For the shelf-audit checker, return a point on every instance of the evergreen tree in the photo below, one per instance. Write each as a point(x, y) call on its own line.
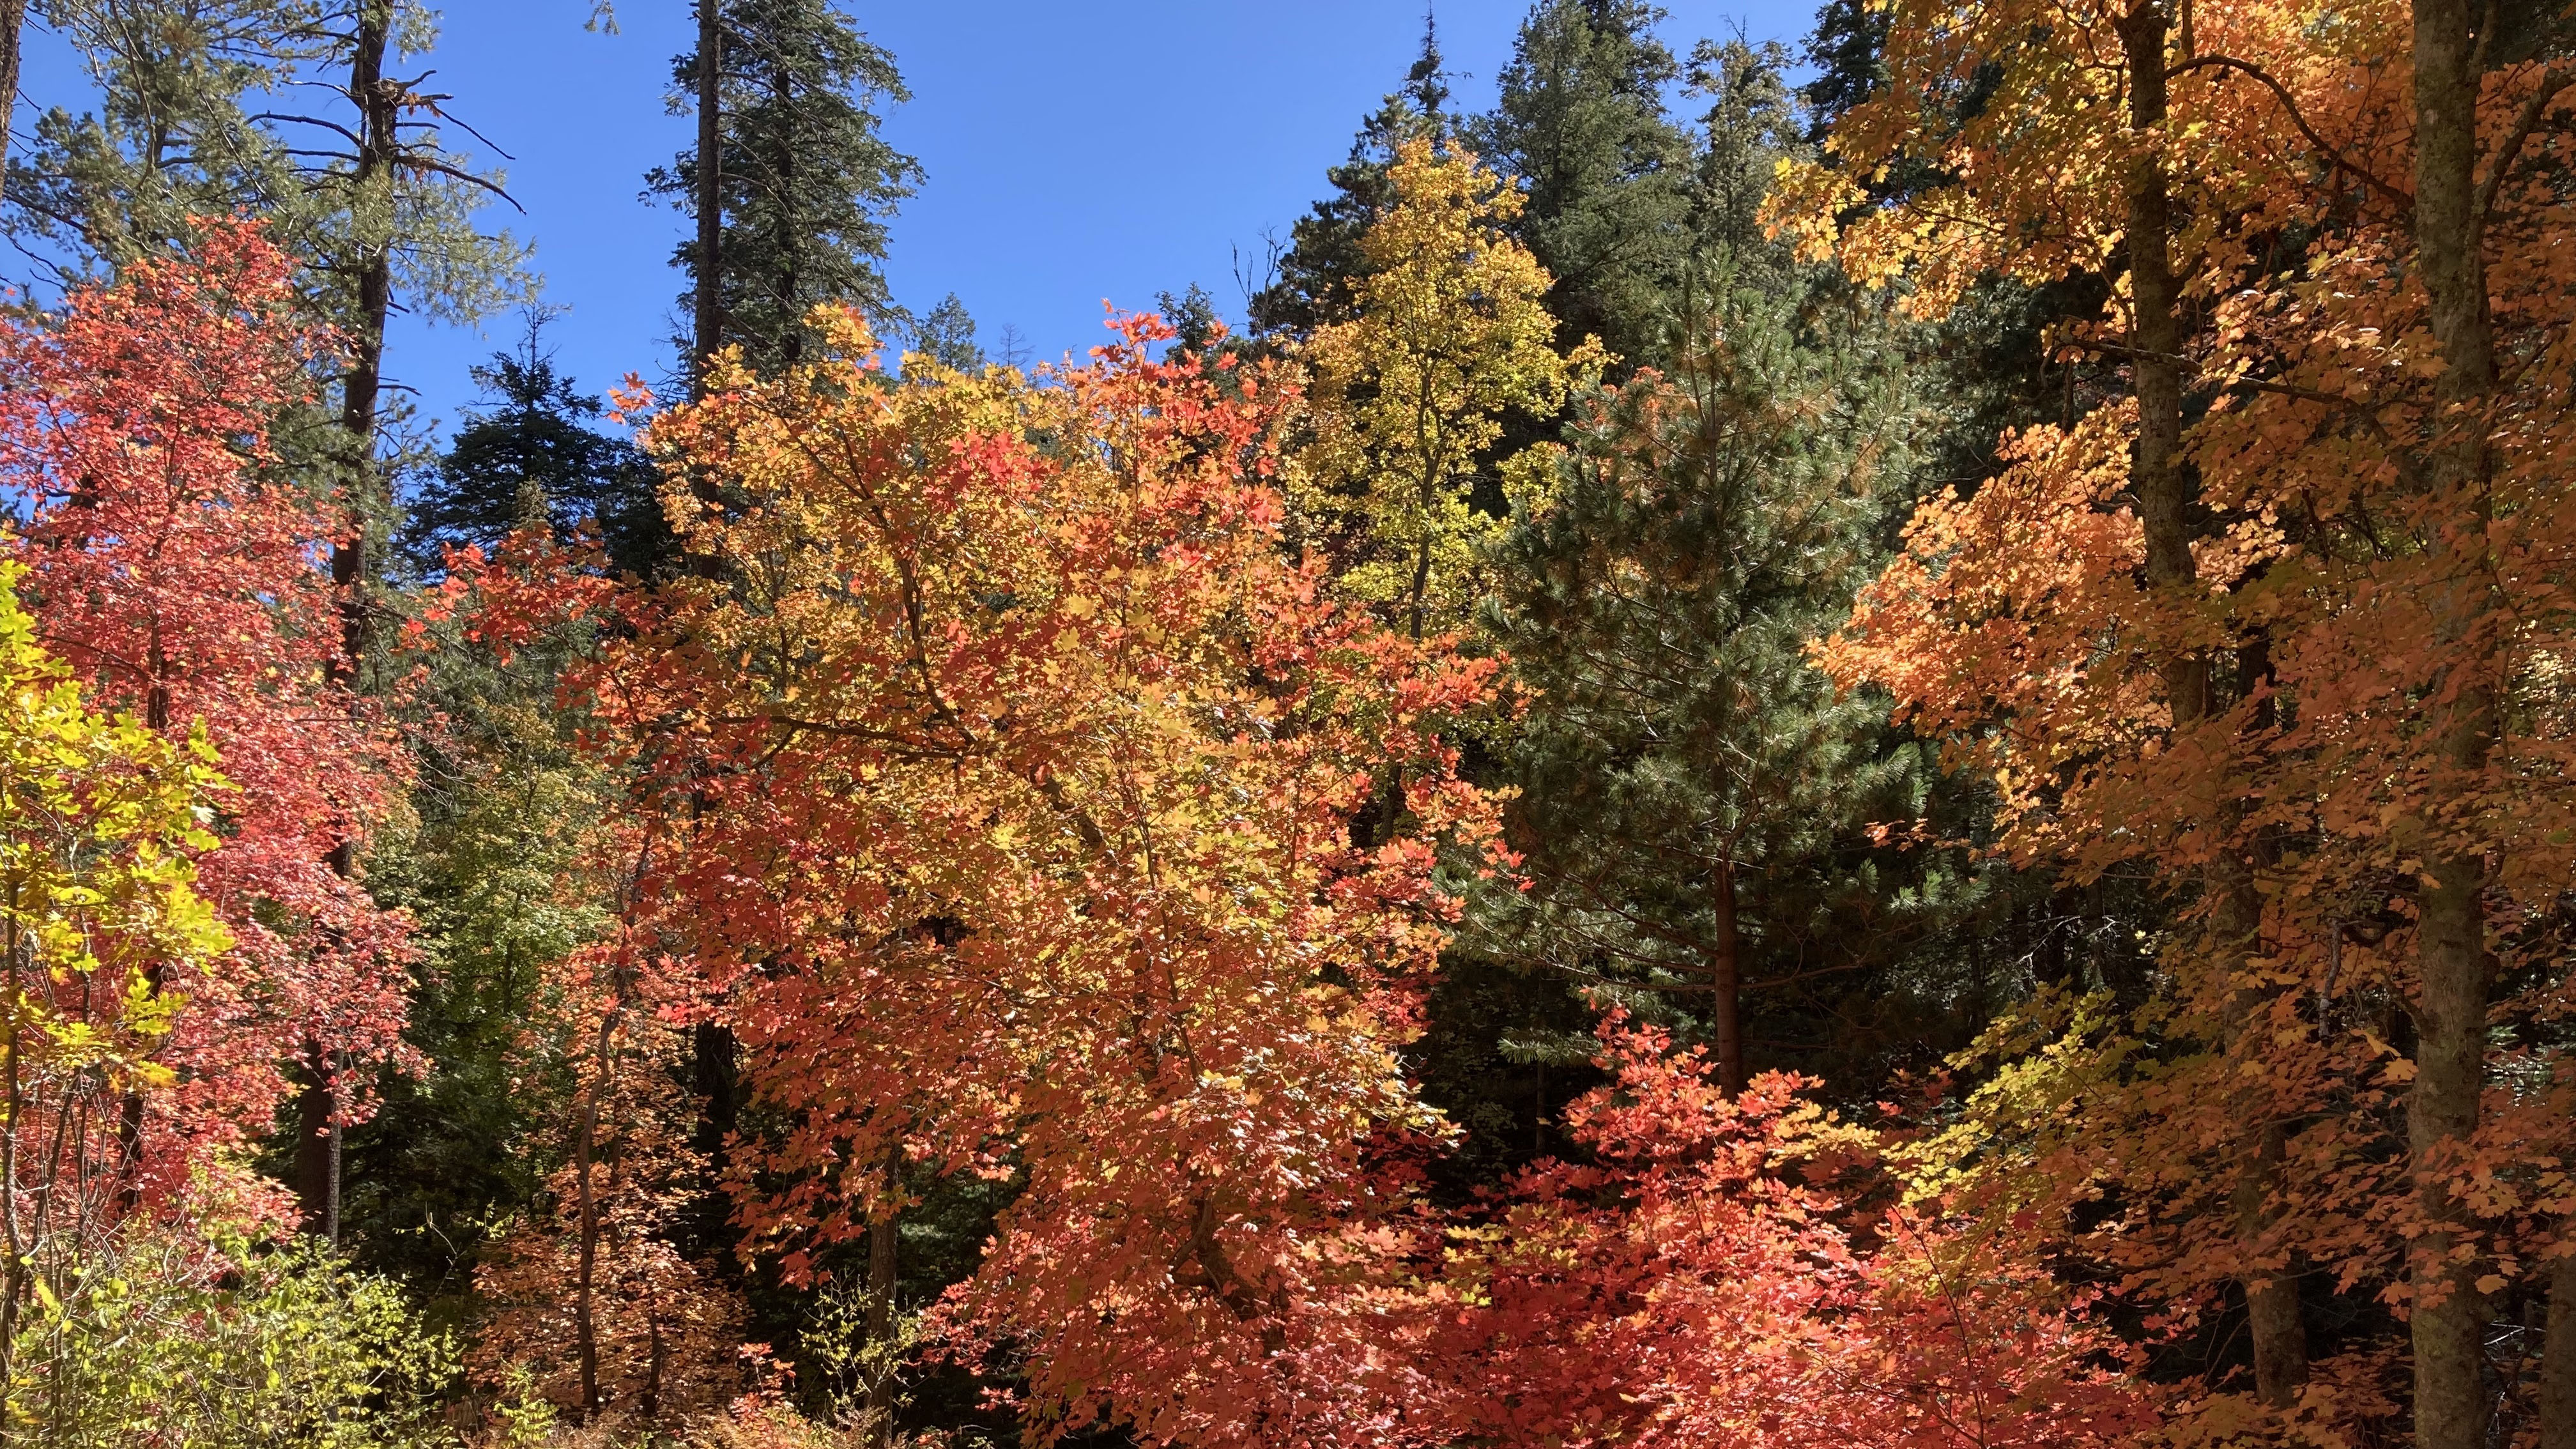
point(374, 199)
point(1749, 127)
point(1986, 367)
point(946, 335)
point(491, 865)
point(1694, 795)
point(13, 24)
point(1324, 260)
point(1192, 315)
point(1581, 121)
point(804, 182)
point(171, 136)
point(491, 869)
point(1845, 51)
point(530, 455)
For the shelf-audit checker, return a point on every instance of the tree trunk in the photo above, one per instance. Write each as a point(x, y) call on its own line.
point(585, 1326)
point(2450, 1314)
point(2455, 969)
point(1978, 992)
point(13, 1238)
point(317, 1147)
point(129, 1112)
point(2155, 340)
point(2057, 919)
point(2163, 494)
point(2273, 1318)
point(708, 336)
point(13, 21)
point(317, 1156)
point(2558, 1358)
point(362, 388)
point(716, 1079)
point(657, 1357)
point(882, 1277)
point(1726, 985)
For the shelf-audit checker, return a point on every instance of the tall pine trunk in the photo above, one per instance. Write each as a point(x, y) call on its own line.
point(318, 1107)
point(2455, 968)
point(712, 1043)
point(13, 21)
point(1726, 985)
point(708, 321)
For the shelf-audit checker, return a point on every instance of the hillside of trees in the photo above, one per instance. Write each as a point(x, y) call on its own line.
point(1857, 747)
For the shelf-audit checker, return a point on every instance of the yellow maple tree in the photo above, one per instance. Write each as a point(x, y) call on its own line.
point(98, 817)
point(1449, 335)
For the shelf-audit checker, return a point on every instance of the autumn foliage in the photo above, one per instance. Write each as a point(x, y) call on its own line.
point(1026, 811)
point(98, 819)
point(1748, 1268)
point(2286, 621)
point(174, 569)
point(1066, 789)
point(1449, 338)
point(1003, 799)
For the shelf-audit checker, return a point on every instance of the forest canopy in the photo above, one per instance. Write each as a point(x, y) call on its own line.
point(1863, 746)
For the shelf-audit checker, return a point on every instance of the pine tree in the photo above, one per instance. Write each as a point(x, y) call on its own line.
point(1695, 796)
point(1581, 121)
point(1324, 259)
point(946, 335)
point(1846, 52)
point(374, 200)
point(13, 23)
point(172, 134)
point(530, 455)
point(1749, 127)
point(804, 182)
point(1992, 365)
point(1193, 316)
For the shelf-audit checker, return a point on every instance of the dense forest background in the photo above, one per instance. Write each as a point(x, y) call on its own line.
point(1856, 746)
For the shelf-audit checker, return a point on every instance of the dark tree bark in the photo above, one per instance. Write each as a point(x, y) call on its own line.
point(715, 1069)
point(883, 1236)
point(1726, 985)
point(2558, 1359)
point(2162, 490)
point(708, 322)
point(2454, 966)
point(13, 20)
point(585, 1151)
point(129, 1110)
point(2155, 468)
point(377, 102)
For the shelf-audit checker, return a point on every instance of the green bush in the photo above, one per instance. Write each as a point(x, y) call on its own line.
point(169, 1342)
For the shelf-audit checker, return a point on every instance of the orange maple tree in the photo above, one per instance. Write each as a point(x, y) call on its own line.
point(1018, 800)
point(2284, 621)
point(999, 772)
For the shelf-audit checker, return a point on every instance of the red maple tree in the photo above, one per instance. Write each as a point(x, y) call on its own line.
point(176, 565)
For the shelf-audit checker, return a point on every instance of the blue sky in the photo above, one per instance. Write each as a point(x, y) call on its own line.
point(1075, 151)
